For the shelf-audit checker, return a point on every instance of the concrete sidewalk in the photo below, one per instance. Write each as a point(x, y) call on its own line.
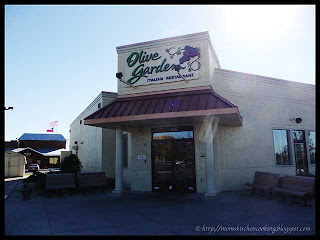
point(156, 214)
point(10, 183)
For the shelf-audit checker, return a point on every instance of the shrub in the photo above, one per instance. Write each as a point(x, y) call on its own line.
point(38, 178)
point(71, 164)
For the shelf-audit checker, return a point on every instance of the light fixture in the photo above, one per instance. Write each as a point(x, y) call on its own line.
point(119, 75)
point(8, 108)
point(140, 131)
point(297, 120)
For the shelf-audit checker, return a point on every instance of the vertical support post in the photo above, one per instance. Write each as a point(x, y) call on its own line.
point(119, 163)
point(211, 188)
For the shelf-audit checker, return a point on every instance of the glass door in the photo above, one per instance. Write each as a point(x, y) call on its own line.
point(173, 165)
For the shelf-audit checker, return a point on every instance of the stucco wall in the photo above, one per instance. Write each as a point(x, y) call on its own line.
point(265, 104)
point(141, 176)
point(96, 148)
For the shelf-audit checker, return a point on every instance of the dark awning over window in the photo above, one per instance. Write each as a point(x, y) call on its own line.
point(179, 104)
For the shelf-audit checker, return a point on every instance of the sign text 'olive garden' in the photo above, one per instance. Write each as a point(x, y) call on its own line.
point(162, 65)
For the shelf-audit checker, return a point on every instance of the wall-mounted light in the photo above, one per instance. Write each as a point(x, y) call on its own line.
point(297, 120)
point(119, 75)
point(140, 131)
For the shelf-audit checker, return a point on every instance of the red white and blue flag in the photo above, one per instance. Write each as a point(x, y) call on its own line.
point(50, 130)
point(53, 124)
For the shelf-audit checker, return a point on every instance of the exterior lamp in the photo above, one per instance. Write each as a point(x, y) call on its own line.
point(119, 75)
point(8, 108)
point(297, 120)
point(177, 69)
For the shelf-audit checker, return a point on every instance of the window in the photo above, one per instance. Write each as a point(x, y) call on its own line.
point(312, 147)
point(53, 160)
point(125, 150)
point(300, 154)
point(281, 147)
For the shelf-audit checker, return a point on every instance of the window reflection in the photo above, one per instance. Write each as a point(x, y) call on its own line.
point(297, 135)
point(312, 146)
point(173, 135)
point(281, 147)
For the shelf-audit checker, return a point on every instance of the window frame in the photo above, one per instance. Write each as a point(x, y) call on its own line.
point(289, 146)
point(307, 146)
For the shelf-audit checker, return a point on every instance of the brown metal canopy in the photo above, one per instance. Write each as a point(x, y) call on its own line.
point(171, 107)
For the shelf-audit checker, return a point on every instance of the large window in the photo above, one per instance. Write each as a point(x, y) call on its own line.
point(281, 147)
point(312, 147)
point(53, 160)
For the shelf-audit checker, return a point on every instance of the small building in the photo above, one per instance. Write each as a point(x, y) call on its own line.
point(54, 158)
point(14, 164)
point(180, 122)
point(35, 145)
point(42, 142)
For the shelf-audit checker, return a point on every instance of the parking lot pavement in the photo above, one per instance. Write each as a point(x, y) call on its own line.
point(230, 213)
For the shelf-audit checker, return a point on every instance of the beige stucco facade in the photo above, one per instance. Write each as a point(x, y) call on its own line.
point(95, 146)
point(264, 103)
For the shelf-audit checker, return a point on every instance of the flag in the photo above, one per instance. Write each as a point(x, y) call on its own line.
point(53, 124)
point(50, 130)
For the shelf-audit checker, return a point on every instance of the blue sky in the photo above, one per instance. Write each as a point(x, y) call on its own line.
point(58, 58)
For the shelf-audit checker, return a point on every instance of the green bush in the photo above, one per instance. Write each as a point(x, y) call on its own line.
point(38, 178)
point(71, 164)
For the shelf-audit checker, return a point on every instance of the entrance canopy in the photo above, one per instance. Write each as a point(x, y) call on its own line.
point(173, 107)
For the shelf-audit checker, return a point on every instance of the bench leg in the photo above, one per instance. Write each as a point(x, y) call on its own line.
point(253, 191)
point(71, 190)
point(293, 199)
point(282, 197)
point(261, 192)
point(305, 201)
point(270, 194)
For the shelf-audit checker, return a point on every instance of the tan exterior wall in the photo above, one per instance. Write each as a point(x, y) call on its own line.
point(265, 104)
point(96, 146)
point(141, 173)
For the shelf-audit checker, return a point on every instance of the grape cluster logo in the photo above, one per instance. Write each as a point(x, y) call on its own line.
point(188, 53)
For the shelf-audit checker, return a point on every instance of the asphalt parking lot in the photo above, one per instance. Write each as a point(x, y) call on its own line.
point(230, 213)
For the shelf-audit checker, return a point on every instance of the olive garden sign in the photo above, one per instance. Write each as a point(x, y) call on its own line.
point(162, 65)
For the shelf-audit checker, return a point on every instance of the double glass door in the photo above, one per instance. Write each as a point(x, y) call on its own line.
point(173, 165)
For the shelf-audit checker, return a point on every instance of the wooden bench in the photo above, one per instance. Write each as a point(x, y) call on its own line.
point(60, 182)
point(264, 181)
point(296, 186)
point(92, 180)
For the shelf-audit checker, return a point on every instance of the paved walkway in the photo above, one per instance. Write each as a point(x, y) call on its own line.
point(231, 213)
point(10, 183)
